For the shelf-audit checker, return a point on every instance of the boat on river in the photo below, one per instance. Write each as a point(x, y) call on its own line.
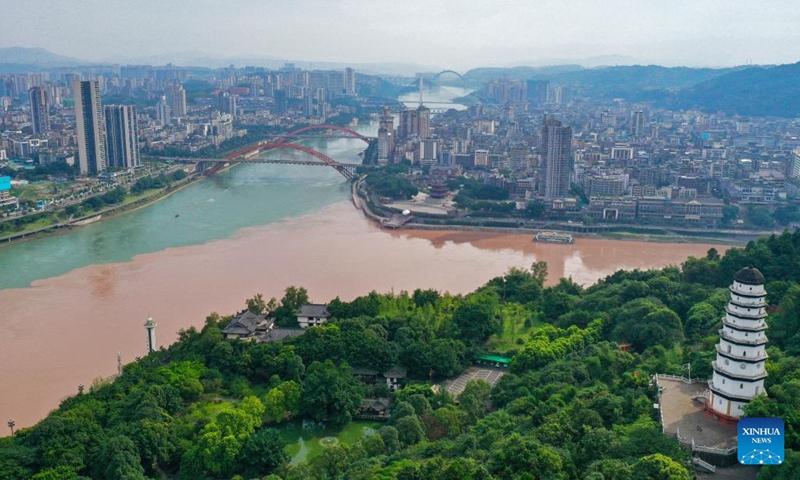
point(554, 237)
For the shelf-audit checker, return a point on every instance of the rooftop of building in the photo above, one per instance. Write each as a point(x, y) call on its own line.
point(313, 310)
point(749, 275)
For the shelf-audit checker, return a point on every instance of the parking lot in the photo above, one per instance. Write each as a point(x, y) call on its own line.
point(490, 375)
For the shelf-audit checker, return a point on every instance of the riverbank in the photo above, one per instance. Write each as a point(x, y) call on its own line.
point(103, 214)
point(639, 233)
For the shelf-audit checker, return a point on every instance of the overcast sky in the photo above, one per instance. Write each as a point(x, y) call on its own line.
point(458, 34)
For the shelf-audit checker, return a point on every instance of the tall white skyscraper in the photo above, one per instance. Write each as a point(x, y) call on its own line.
point(123, 136)
point(91, 127)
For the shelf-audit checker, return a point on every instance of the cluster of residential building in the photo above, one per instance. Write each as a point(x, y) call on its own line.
point(71, 114)
point(608, 161)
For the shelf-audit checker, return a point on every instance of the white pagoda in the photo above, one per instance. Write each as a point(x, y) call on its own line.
point(739, 368)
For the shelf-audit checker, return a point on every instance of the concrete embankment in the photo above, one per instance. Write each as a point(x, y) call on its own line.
point(660, 234)
point(104, 214)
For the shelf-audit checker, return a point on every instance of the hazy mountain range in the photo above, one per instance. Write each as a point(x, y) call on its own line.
point(21, 58)
point(745, 90)
point(761, 90)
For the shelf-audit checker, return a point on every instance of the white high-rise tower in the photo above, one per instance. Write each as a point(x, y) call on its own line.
point(150, 325)
point(739, 368)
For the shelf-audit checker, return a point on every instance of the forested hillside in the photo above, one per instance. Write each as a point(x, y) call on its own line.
point(745, 90)
point(573, 406)
point(758, 91)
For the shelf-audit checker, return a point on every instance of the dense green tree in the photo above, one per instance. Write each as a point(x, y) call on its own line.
point(331, 394)
point(391, 186)
point(263, 452)
point(535, 210)
point(659, 467)
point(374, 445)
point(409, 430)
point(517, 455)
point(286, 313)
point(420, 403)
point(475, 399)
point(275, 405)
point(610, 469)
point(788, 470)
point(117, 457)
point(425, 297)
point(391, 439)
point(517, 285)
point(760, 216)
point(257, 304)
point(476, 318)
point(58, 473)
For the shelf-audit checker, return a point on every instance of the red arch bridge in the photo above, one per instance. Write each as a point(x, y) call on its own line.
point(249, 154)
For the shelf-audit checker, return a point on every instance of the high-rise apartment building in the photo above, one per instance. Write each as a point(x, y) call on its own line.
point(176, 97)
point(556, 94)
point(416, 122)
point(163, 111)
point(638, 123)
point(407, 126)
point(349, 81)
point(280, 100)
point(793, 166)
point(91, 127)
point(386, 137)
point(556, 156)
point(40, 110)
point(428, 150)
point(123, 136)
point(424, 121)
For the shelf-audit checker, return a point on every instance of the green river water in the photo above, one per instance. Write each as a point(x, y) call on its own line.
point(244, 196)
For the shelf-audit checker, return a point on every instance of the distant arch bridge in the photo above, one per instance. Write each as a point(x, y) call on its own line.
point(433, 79)
point(346, 133)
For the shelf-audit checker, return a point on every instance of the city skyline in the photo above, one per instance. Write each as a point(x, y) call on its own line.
point(478, 33)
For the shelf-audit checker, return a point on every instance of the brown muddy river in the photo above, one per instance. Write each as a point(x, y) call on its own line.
point(67, 330)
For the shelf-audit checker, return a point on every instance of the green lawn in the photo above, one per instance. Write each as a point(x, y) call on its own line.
point(513, 329)
point(131, 197)
point(209, 410)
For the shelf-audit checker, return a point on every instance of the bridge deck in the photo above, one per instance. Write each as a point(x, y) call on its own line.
point(283, 161)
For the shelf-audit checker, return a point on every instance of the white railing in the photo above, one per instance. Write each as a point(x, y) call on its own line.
point(716, 451)
point(701, 463)
point(680, 378)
